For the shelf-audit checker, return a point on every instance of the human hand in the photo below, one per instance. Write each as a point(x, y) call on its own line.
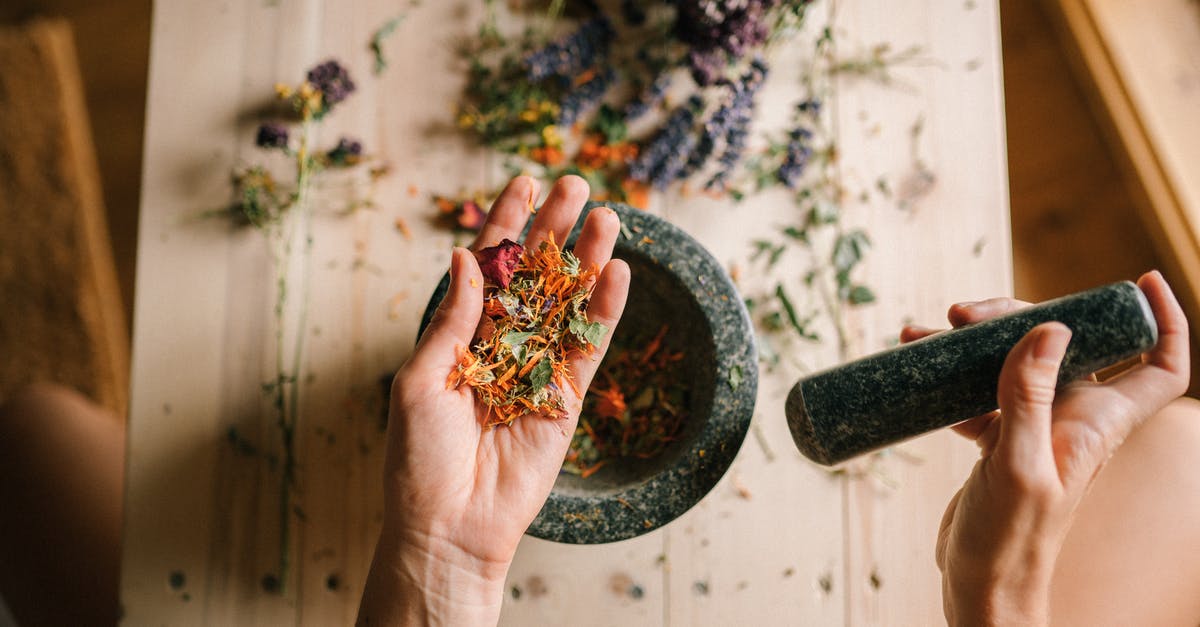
point(457, 496)
point(1002, 532)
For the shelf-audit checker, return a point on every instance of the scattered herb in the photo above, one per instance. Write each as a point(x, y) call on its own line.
point(377, 39)
point(282, 210)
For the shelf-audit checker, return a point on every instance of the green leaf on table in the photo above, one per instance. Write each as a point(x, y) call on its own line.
point(849, 249)
point(860, 295)
point(789, 311)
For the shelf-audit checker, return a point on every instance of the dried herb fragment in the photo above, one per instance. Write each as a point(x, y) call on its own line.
point(535, 302)
point(635, 408)
point(499, 262)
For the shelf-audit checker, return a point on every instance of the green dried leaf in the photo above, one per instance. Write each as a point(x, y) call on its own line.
point(789, 311)
point(514, 339)
point(610, 123)
point(735, 377)
point(539, 377)
point(860, 295)
point(849, 250)
point(591, 332)
point(378, 38)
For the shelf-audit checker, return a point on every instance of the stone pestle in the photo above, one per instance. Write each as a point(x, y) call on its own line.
point(945, 378)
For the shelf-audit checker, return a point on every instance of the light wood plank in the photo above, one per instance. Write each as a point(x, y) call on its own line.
point(950, 245)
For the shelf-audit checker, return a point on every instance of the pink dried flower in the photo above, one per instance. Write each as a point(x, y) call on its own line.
point(471, 217)
point(499, 262)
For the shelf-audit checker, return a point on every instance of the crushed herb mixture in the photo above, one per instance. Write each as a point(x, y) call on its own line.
point(534, 309)
point(636, 407)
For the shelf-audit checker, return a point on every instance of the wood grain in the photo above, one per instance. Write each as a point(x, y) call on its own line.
point(778, 541)
point(1142, 68)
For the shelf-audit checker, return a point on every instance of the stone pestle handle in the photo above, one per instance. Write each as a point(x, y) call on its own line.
point(945, 378)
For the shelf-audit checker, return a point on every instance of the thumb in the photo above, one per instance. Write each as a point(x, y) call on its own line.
point(1026, 397)
point(453, 324)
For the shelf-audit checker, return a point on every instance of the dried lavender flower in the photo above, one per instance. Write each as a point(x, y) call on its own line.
point(584, 97)
point(648, 98)
point(795, 158)
point(346, 152)
point(662, 160)
point(738, 131)
point(272, 135)
point(570, 55)
point(334, 83)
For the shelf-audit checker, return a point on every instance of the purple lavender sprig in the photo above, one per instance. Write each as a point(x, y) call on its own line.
point(649, 97)
point(584, 97)
point(570, 55)
point(796, 156)
point(662, 161)
point(738, 131)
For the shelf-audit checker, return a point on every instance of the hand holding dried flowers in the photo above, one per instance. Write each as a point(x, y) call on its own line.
point(460, 494)
point(535, 319)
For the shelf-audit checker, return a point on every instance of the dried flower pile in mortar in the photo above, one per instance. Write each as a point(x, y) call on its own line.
point(636, 407)
point(534, 305)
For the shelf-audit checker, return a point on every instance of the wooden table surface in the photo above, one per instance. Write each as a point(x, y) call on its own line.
point(780, 541)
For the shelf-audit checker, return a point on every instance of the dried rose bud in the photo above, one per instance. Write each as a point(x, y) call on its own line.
point(471, 217)
point(499, 262)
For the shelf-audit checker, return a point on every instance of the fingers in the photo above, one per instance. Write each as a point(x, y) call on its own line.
point(1026, 395)
point(912, 333)
point(597, 237)
point(453, 325)
point(1163, 376)
point(608, 301)
point(509, 213)
point(560, 211)
point(969, 313)
point(973, 428)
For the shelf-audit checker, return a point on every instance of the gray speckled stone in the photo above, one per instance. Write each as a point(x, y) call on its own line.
point(675, 281)
point(949, 377)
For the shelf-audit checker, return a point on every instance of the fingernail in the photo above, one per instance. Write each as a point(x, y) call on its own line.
point(456, 262)
point(967, 304)
point(1052, 342)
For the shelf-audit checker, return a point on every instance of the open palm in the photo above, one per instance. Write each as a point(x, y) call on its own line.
point(450, 480)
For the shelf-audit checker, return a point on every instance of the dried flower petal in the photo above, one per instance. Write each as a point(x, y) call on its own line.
point(499, 262)
point(470, 216)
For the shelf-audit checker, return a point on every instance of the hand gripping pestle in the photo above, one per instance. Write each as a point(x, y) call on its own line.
point(945, 378)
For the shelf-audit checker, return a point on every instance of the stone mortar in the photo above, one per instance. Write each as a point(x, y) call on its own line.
point(677, 282)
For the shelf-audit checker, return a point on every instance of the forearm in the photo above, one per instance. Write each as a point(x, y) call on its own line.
point(415, 585)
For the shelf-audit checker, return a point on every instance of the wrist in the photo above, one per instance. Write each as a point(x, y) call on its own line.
point(428, 581)
point(1020, 599)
